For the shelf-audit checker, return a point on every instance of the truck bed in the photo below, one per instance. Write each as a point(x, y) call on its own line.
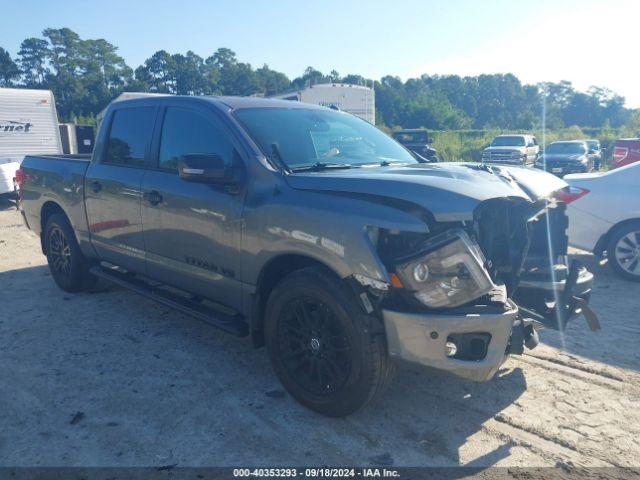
point(79, 157)
point(54, 178)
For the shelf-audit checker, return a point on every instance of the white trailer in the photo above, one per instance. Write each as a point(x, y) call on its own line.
point(356, 99)
point(28, 125)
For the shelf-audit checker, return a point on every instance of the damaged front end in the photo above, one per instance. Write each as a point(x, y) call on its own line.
point(526, 248)
point(468, 293)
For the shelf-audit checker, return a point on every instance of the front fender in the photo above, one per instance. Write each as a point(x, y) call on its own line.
point(331, 229)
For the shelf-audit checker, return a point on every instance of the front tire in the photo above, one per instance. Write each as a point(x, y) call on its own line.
point(623, 251)
point(69, 267)
point(328, 354)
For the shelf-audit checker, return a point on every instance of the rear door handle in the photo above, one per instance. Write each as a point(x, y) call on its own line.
point(96, 186)
point(153, 197)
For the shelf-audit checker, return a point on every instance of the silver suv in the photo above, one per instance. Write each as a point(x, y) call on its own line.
point(512, 150)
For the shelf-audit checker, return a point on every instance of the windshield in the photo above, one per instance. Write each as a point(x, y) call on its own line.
point(508, 141)
point(411, 137)
point(567, 148)
point(304, 137)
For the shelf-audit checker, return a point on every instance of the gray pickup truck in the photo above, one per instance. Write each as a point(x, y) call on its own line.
point(314, 233)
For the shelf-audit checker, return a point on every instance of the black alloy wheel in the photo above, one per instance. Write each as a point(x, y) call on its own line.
point(329, 354)
point(313, 346)
point(59, 252)
point(69, 267)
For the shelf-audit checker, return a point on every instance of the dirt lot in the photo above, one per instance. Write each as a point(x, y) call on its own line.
point(112, 379)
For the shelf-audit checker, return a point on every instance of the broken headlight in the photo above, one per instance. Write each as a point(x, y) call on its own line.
point(447, 272)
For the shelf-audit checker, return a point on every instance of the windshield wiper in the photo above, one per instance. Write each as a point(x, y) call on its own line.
point(386, 163)
point(383, 163)
point(315, 167)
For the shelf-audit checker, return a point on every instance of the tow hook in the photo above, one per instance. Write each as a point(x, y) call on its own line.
point(522, 335)
point(531, 338)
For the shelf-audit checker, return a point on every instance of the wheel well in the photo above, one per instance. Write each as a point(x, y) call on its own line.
point(271, 274)
point(48, 209)
point(601, 246)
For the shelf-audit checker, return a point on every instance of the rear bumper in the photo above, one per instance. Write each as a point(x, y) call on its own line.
point(421, 337)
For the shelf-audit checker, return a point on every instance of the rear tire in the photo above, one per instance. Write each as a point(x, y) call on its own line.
point(623, 251)
point(69, 267)
point(328, 354)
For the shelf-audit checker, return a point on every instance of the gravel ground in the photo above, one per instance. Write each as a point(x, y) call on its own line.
point(113, 379)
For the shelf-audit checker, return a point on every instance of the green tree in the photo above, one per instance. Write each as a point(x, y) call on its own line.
point(32, 59)
point(223, 58)
point(633, 125)
point(354, 79)
point(9, 70)
point(65, 79)
point(157, 73)
point(85, 74)
point(64, 49)
point(311, 76)
point(102, 57)
point(235, 78)
point(272, 82)
point(188, 74)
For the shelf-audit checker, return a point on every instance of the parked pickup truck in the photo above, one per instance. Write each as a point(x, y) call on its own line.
point(520, 150)
point(314, 233)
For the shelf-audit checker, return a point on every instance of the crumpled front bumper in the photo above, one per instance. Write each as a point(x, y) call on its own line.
point(538, 297)
point(421, 337)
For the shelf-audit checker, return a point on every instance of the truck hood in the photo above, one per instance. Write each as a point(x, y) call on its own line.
point(449, 191)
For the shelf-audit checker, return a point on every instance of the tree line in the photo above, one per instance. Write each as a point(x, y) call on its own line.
point(85, 75)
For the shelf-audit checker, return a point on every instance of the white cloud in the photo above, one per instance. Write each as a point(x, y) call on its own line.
point(592, 45)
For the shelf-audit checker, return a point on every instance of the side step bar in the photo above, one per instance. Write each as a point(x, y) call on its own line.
point(233, 324)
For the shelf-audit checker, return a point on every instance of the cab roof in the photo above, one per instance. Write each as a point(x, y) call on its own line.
point(234, 103)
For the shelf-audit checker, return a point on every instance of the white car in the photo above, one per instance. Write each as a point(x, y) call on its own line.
point(604, 216)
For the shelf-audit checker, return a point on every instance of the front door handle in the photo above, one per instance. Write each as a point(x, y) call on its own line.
point(153, 197)
point(95, 186)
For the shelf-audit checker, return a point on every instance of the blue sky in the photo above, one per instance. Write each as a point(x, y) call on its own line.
point(587, 42)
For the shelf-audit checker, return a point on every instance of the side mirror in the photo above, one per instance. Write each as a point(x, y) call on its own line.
point(429, 140)
point(204, 168)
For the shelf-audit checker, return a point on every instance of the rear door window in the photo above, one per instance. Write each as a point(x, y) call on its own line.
point(129, 136)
